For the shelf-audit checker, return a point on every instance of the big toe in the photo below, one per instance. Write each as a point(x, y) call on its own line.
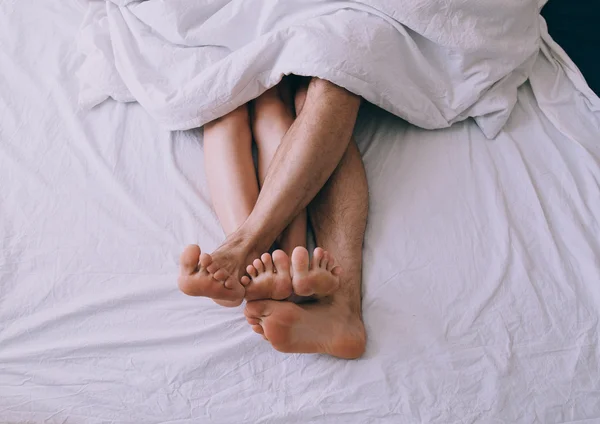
point(318, 256)
point(189, 259)
point(206, 260)
point(300, 261)
point(267, 262)
point(281, 262)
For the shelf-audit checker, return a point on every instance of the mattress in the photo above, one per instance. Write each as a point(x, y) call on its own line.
point(481, 292)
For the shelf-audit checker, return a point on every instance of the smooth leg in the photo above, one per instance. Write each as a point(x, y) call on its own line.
point(230, 172)
point(233, 187)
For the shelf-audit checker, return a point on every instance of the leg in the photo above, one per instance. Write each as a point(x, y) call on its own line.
point(333, 326)
point(271, 120)
point(306, 158)
point(233, 188)
point(339, 217)
point(320, 277)
point(230, 169)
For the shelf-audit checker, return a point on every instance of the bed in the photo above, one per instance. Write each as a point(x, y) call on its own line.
point(481, 291)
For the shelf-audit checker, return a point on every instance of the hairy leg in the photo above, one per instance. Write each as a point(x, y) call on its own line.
point(306, 158)
point(271, 120)
point(339, 217)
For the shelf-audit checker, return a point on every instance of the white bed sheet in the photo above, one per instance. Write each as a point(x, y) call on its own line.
point(481, 282)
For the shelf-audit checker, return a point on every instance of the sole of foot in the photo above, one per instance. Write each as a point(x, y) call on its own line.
point(268, 277)
point(315, 328)
point(319, 277)
point(197, 279)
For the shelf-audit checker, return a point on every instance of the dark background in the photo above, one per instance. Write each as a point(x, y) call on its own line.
point(575, 26)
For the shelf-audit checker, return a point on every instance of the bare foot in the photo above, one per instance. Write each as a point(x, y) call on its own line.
point(328, 328)
point(319, 278)
point(269, 278)
point(216, 276)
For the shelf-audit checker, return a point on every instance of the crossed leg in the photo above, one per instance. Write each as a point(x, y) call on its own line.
point(270, 277)
point(332, 325)
point(272, 118)
point(306, 158)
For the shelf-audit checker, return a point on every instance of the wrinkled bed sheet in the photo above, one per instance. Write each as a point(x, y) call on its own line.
point(481, 280)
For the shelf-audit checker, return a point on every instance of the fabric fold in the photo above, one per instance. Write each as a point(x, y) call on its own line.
point(431, 63)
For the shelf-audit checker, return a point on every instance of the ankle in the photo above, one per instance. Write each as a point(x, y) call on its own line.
point(246, 243)
point(257, 237)
point(350, 303)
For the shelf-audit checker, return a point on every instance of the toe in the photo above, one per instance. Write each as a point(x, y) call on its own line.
point(325, 260)
point(245, 280)
point(330, 263)
point(206, 262)
point(281, 262)
point(252, 272)
point(205, 259)
point(231, 282)
point(189, 259)
point(300, 260)
point(253, 321)
point(337, 270)
point(318, 255)
point(258, 329)
point(258, 265)
point(267, 262)
point(220, 275)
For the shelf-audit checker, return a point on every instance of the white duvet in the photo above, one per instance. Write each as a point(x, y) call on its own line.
point(430, 62)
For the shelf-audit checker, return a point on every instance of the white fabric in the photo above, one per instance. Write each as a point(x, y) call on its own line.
point(481, 280)
point(190, 61)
